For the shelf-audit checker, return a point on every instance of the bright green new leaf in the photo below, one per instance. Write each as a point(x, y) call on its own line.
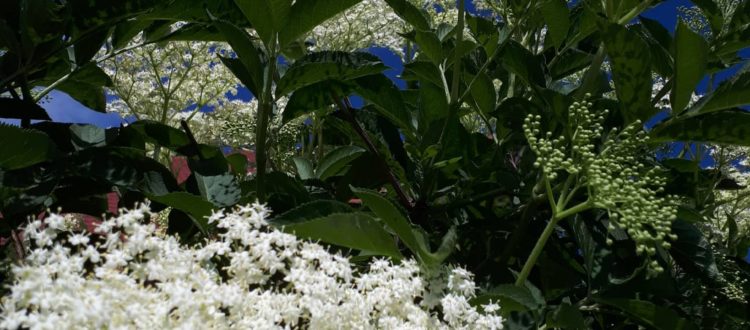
point(690, 56)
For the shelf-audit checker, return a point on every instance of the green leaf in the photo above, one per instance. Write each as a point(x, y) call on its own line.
point(693, 252)
point(158, 133)
point(304, 168)
point(433, 104)
point(337, 159)
point(85, 136)
point(555, 13)
point(517, 59)
point(317, 96)
point(312, 210)
point(353, 230)
point(386, 97)
point(722, 127)
point(631, 70)
point(238, 162)
point(690, 56)
point(325, 65)
point(661, 45)
point(410, 13)
point(565, 316)
point(268, 17)
point(730, 94)
point(198, 208)
point(484, 31)
point(511, 298)
point(22, 147)
point(86, 84)
point(307, 14)
point(88, 45)
point(392, 217)
point(483, 93)
point(570, 62)
point(423, 70)
point(222, 190)
point(243, 74)
point(126, 31)
point(247, 52)
point(124, 167)
point(430, 45)
point(650, 314)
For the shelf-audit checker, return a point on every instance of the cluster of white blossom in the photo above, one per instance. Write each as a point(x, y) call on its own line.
point(250, 276)
point(614, 176)
point(732, 205)
point(235, 126)
point(373, 23)
point(170, 81)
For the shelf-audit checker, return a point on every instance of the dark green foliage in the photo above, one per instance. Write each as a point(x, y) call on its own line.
point(439, 171)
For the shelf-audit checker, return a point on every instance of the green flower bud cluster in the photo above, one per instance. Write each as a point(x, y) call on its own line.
point(613, 175)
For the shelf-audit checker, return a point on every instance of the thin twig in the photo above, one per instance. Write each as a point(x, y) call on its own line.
point(348, 113)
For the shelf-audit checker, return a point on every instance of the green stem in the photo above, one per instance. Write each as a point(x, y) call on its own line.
point(578, 208)
point(457, 54)
point(542, 241)
point(264, 112)
point(590, 78)
point(635, 12)
point(550, 195)
point(536, 252)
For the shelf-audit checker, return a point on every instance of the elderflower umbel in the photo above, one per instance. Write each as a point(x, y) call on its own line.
point(250, 276)
point(614, 176)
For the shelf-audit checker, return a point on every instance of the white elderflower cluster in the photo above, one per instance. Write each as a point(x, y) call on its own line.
point(235, 126)
point(168, 82)
point(732, 206)
point(373, 23)
point(249, 276)
point(612, 174)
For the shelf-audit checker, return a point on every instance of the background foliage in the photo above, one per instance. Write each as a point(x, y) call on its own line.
point(451, 167)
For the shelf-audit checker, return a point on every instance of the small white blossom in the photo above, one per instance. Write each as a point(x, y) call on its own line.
point(251, 277)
